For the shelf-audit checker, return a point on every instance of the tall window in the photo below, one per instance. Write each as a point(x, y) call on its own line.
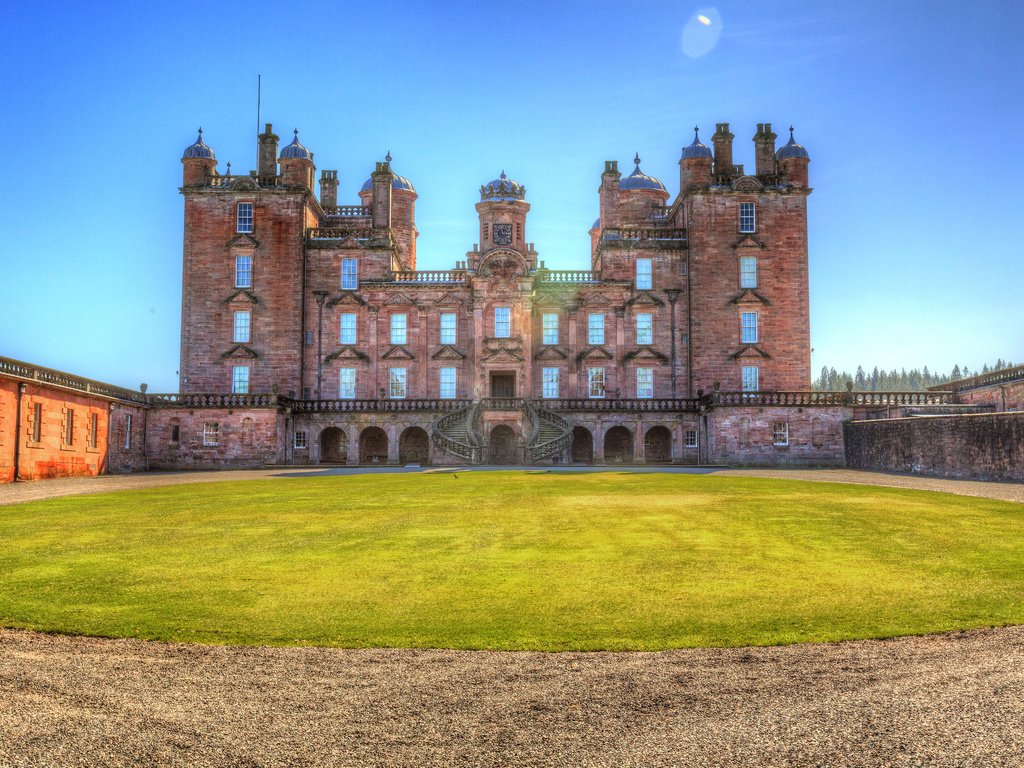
point(94, 430)
point(748, 272)
point(595, 381)
point(750, 383)
point(243, 321)
point(550, 382)
point(780, 433)
point(644, 329)
point(128, 432)
point(396, 379)
point(347, 384)
point(243, 271)
point(502, 322)
point(399, 322)
point(550, 328)
point(595, 328)
point(243, 217)
point(211, 433)
point(747, 218)
point(748, 327)
point(240, 380)
point(37, 422)
point(348, 328)
point(643, 274)
point(645, 382)
point(448, 379)
point(448, 328)
point(349, 274)
point(69, 427)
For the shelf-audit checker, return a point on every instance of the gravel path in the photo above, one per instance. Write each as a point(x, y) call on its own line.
point(943, 700)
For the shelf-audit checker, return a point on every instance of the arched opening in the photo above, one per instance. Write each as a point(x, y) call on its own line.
point(658, 445)
point(618, 446)
point(502, 445)
point(333, 446)
point(414, 446)
point(582, 445)
point(373, 446)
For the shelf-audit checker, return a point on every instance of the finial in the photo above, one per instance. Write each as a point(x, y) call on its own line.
point(387, 157)
point(637, 159)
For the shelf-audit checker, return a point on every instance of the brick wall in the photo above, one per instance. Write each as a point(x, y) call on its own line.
point(814, 436)
point(987, 446)
point(242, 438)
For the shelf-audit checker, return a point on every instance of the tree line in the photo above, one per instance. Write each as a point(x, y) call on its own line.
point(880, 380)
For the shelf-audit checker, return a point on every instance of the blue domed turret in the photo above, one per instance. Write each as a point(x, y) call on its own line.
point(640, 180)
point(696, 149)
point(199, 149)
point(295, 151)
point(502, 188)
point(792, 149)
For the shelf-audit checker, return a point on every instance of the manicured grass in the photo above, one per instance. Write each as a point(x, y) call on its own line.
point(512, 560)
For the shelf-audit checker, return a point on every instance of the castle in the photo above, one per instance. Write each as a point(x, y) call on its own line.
point(309, 336)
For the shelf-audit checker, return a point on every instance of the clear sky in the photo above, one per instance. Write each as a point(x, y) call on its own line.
point(912, 114)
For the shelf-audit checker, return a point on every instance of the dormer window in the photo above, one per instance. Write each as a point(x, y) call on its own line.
point(243, 218)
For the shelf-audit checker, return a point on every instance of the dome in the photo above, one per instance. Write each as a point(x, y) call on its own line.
point(502, 188)
point(199, 149)
point(792, 149)
point(295, 151)
point(696, 149)
point(640, 180)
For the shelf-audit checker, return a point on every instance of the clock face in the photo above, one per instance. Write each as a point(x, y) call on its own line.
point(502, 234)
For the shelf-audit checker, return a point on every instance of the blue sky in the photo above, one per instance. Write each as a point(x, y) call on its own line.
point(912, 114)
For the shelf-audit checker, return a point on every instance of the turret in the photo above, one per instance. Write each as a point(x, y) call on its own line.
point(267, 160)
point(695, 165)
point(722, 140)
point(792, 160)
point(328, 189)
point(764, 150)
point(297, 165)
point(199, 163)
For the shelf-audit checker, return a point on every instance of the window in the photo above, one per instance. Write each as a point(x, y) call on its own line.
point(300, 439)
point(748, 327)
point(644, 329)
point(691, 438)
point(69, 427)
point(448, 328)
point(747, 220)
point(550, 328)
point(397, 382)
point(243, 217)
point(645, 382)
point(211, 433)
point(399, 328)
point(349, 274)
point(240, 380)
point(502, 322)
point(595, 380)
point(595, 328)
point(643, 274)
point(447, 389)
point(127, 431)
point(748, 272)
point(94, 430)
point(37, 422)
point(348, 328)
point(550, 382)
point(780, 433)
point(347, 384)
point(243, 322)
point(243, 271)
point(749, 374)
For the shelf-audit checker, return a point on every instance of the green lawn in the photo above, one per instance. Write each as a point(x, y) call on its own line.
point(512, 560)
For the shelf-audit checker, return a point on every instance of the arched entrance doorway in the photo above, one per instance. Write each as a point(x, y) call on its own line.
point(658, 445)
point(373, 446)
point(582, 445)
point(618, 446)
point(333, 446)
point(501, 448)
point(414, 446)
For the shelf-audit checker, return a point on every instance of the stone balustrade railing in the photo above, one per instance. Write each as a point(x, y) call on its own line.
point(568, 276)
point(26, 371)
point(430, 277)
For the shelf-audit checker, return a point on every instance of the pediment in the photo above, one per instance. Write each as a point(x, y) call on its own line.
point(399, 298)
point(504, 355)
point(550, 352)
point(347, 298)
point(447, 352)
point(447, 300)
point(240, 350)
point(747, 184)
point(398, 353)
point(242, 296)
point(645, 299)
point(243, 240)
point(750, 296)
point(644, 353)
point(346, 353)
point(750, 350)
point(748, 241)
point(594, 353)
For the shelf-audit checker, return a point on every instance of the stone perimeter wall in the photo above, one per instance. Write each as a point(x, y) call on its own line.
point(987, 446)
